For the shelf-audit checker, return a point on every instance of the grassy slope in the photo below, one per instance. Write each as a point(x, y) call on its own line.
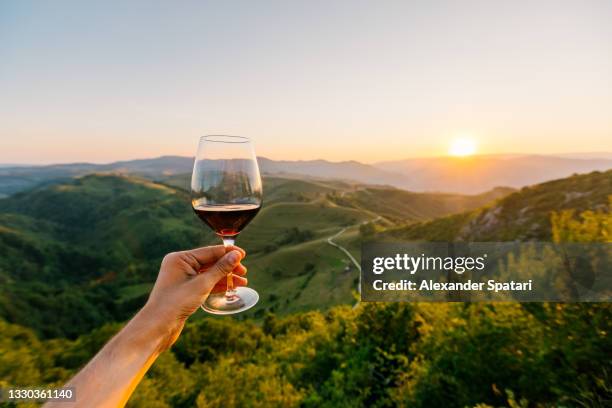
point(400, 205)
point(69, 249)
point(523, 215)
point(300, 275)
point(452, 355)
point(94, 244)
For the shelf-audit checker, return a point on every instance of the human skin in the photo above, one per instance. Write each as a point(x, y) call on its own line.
point(184, 281)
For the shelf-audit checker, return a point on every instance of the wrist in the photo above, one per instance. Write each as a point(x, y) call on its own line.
point(145, 333)
point(158, 327)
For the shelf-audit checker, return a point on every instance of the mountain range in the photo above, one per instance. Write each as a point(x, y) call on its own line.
point(467, 175)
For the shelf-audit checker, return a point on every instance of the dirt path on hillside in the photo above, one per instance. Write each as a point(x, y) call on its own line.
point(331, 242)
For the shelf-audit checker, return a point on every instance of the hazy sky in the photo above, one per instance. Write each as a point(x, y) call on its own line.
point(364, 80)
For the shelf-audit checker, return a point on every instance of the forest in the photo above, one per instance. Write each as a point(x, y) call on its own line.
point(78, 259)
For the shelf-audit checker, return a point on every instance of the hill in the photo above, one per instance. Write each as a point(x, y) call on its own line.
point(71, 249)
point(85, 252)
point(401, 205)
point(74, 281)
point(523, 215)
point(88, 250)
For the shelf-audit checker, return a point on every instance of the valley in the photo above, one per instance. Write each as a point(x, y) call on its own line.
point(80, 256)
point(88, 249)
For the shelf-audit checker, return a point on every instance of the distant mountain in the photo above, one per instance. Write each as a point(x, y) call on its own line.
point(480, 173)
point(164, 165)
point(14, 179)
point(587, 155)
point(470, 175)
point(346, 170)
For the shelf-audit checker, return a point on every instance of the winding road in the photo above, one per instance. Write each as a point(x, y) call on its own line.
point(331, 242)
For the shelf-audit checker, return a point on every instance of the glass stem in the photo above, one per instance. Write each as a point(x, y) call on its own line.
point(230, 293)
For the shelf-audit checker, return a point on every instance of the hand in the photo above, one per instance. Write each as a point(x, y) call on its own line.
point(184, 282)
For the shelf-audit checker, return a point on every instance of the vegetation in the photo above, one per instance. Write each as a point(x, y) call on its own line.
point(400, 205)
point(79, 258)
point(589, 226)
point(79, 254)
point(524, 215)
point(416, 355)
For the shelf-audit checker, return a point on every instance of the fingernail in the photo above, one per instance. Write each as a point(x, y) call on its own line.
point(233, 256)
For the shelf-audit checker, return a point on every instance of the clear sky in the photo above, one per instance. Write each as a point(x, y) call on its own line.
point(364, 80)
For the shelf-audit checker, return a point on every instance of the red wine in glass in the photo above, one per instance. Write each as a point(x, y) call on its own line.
point(226, 220)
point(226, 194)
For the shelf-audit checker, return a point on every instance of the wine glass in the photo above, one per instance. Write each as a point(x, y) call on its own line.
point(226, 194)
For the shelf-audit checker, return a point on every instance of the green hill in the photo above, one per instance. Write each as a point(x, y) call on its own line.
point(400, 205)
point(89, 250)
point(71, 281)
point(523, 215)
point(71, 248)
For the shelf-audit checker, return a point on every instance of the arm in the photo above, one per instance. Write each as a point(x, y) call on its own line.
point(184, 281)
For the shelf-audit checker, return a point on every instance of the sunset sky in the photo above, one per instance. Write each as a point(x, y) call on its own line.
point(363, 80)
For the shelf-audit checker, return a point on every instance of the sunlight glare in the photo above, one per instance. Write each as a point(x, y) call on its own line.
point(463, 146)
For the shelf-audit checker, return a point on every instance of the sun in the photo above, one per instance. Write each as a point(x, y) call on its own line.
point(462, 147)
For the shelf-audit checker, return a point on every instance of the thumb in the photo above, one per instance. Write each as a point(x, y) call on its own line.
point(207, 279)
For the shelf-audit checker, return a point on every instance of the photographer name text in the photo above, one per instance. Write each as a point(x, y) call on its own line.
point(430, 285)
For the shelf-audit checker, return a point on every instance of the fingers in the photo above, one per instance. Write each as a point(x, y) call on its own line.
point(226, 264)
point(236, 248)
point(221, 286)
point(240, 269)
point(210, 254)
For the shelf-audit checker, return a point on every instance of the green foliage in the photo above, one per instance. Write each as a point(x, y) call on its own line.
point(590, 226)
point(167, 384)
point(232, 383)
point(19, 362)
point(71, 282)
point(401, 206)
point(523, 215)
point(68, 249)
point(290, 236)
point(367, 230)
point(416, 355)
point(82, 253)
point(445, 229)
point(207, 339)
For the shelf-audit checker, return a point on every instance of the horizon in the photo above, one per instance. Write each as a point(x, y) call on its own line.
point(591, 155)
point(343, 81)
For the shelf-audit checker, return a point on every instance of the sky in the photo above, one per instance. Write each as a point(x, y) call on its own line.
point(337, 80)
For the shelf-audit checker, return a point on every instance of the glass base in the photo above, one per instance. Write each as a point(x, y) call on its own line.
point(219, 304)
